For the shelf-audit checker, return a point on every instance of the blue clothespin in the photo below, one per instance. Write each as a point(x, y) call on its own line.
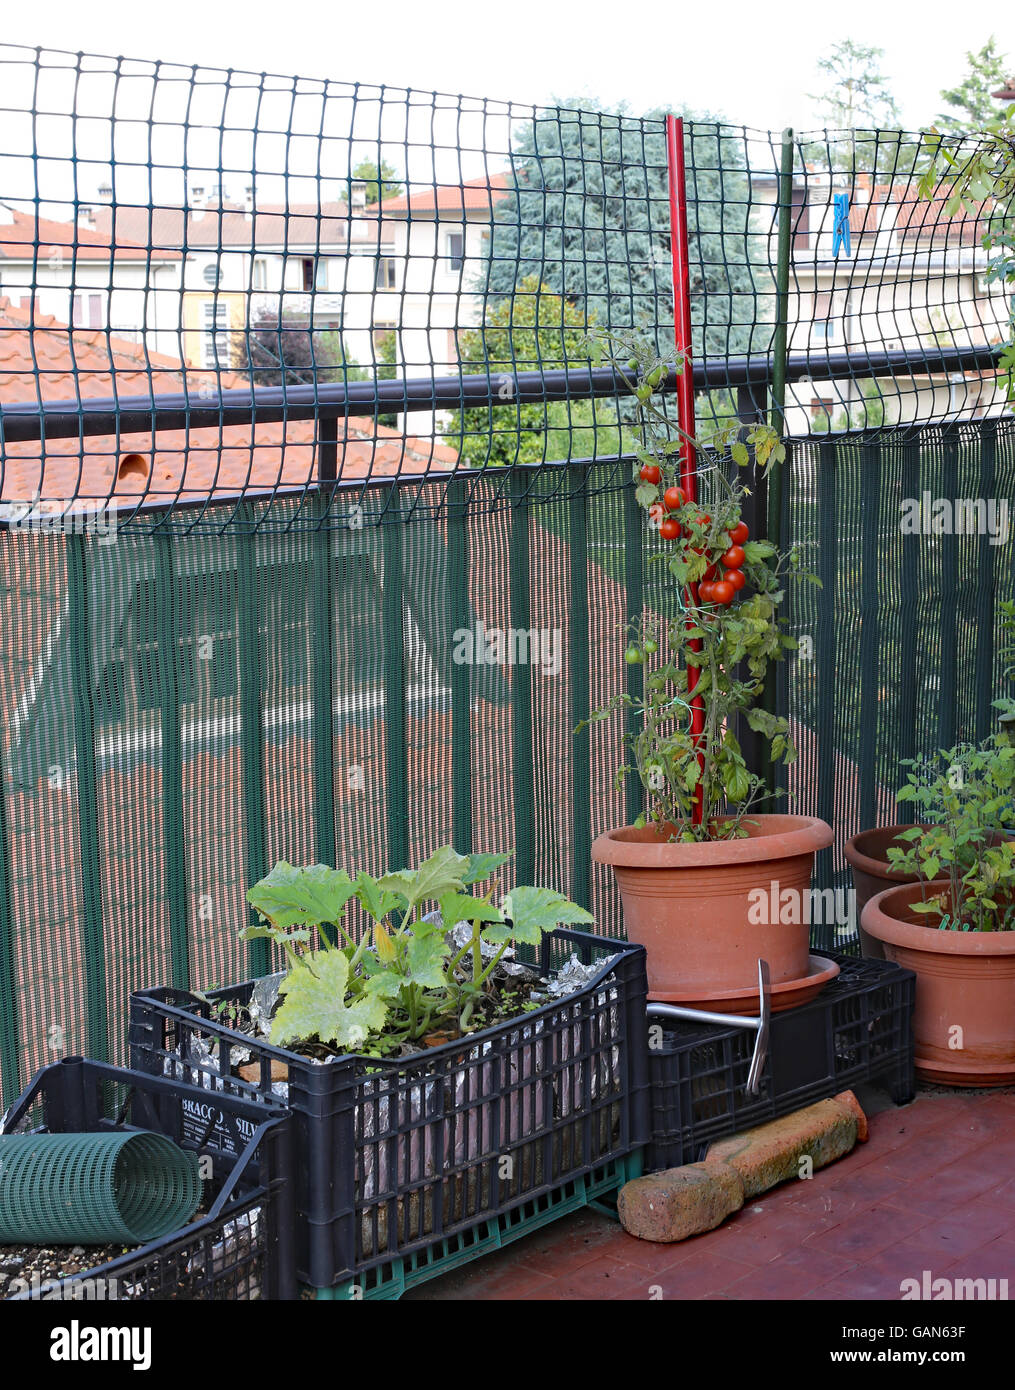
point(840, 228)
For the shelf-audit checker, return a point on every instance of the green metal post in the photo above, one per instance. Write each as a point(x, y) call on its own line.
point(252, 725)
point(634, 593)
point(94, 941)
point(985, 596)
point(396, 724)
point(910, 588)
point(522, 772)
point(458, 615)
point(578, 643)
point(871, 570)
point(322, 627)
point(825, 653)
point(10, 1069)
point(173, 840)
point(777, 416)
point(948, 591)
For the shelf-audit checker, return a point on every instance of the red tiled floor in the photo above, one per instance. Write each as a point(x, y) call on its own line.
point(932, 1190)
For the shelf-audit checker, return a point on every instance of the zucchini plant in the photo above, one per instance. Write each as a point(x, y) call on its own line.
point(403, 977)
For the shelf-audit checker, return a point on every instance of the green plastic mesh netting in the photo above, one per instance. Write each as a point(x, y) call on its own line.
point(90, 1189)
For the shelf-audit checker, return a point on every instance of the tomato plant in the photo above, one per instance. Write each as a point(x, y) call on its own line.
point(722, 628)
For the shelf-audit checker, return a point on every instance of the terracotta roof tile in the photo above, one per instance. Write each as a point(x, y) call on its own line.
point(474, 195)
point(28, 237)
point(58, 363)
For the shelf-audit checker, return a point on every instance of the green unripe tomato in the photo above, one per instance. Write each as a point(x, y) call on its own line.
point(632, 365)
point(650, 645)
point(634, 656)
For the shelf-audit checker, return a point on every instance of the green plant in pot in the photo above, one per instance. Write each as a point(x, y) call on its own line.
point(693, 867)
point(955, 926)
point(873, 855)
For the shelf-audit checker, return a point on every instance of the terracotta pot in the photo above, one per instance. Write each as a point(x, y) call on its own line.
point(965, 980)
point(867, 856)
point(697, 910)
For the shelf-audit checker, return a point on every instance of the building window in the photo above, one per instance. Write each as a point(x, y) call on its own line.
point(824, 324)
point(216, 351)
point(308, 273)
point(456, 250)
point(86, 311)
point(385, 273)
point(212, 275)
point(260, 276)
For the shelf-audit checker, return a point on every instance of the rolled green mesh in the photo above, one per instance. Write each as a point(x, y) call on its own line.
point(90, 1189)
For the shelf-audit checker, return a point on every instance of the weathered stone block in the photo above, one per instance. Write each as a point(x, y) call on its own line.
point(679, 1202)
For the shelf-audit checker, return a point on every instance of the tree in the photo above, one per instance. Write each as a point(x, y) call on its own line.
point(856, 95)
point(971, 104)
point(380, 183)
point(307, 354)
point(587, 215)
point(860, 117)
point(533, 330)
point(386, 369)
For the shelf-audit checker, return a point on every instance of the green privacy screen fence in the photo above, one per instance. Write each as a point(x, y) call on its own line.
point(313, 357)
point(183, 708)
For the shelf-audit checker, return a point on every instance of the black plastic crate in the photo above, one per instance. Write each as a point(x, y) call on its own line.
point(858, 1029)
point(243, 1247)
point(397, 1155)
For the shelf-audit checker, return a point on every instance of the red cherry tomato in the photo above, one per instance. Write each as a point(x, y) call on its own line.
point(739, 534)
point(673, 499)
point(713, 572)
point(650, 473)
point(734, 557)
point(737, 578)
point(722, 592)
point(670, 529)
point(705, 591)
point(705, 520)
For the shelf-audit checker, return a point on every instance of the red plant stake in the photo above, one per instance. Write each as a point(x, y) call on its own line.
point(685, 387)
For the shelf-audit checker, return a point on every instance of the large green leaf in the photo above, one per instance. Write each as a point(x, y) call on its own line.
point(482, 865)
point(425, 958)
point(462, 907)
point(534, 911)
point(294, 897)
point(442, 873)
point(375, 899)
point(314, 1005)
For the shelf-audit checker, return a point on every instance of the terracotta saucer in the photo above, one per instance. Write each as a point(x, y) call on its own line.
point(786, 995)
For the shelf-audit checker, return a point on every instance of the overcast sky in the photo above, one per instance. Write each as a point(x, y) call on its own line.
point(752, 62)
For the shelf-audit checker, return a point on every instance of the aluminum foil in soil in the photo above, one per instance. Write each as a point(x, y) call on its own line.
point(263, 998)
point(571, 976)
